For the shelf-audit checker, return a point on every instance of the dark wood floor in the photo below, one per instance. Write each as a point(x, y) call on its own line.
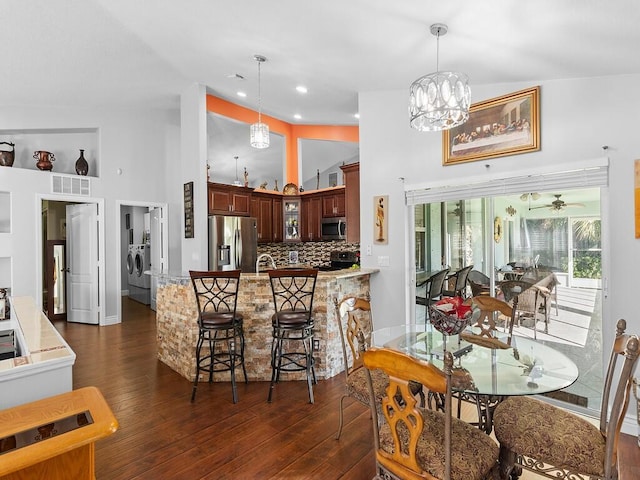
point(163, 436)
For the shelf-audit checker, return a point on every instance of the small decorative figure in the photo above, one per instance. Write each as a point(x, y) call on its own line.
point(380, 220)
point(275, 189)
point(246, 177)
point(263, 186)
point(208, 173)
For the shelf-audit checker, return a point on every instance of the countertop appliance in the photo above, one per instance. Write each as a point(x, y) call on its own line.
point(340, 260)
point(333, 228)
point(233, 243)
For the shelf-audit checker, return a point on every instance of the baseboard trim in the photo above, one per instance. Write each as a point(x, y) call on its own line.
point(111, 320)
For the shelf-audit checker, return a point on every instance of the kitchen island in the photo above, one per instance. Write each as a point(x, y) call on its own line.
point(177, 322)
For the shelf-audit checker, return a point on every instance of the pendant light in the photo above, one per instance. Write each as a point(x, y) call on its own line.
point(440, 100)
point(237, 180)
point(259, 132)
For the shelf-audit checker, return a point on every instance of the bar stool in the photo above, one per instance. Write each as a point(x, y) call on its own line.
point(292, 322)
point(219, 325)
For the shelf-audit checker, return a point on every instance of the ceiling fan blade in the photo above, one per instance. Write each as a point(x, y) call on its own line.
point(541, 206)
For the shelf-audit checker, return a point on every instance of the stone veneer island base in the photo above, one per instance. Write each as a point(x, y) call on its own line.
point(177, 323)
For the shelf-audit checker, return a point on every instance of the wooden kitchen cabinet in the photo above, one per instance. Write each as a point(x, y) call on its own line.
point(311, 217)
point(277, 225)
point(262, 210)
point(351, 174)
point(333, 204)
point(228, 199)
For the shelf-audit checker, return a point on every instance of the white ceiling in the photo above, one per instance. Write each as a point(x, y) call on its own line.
point(110, 52)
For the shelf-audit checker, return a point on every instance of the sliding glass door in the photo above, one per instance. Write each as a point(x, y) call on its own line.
point(547, 233)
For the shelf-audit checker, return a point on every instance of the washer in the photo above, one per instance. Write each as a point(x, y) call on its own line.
point(139, 261)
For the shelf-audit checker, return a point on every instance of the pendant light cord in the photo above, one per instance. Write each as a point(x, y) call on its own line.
point(438, 51)
point(259, 97)
point(236, 157)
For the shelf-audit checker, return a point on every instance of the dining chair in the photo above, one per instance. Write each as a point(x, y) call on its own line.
point(219, 326)
point(355, 320)
point(415, 443)
point(433, 286)
point(456, 284)
point(487, 312)
point(292, 323)
point(547, 439)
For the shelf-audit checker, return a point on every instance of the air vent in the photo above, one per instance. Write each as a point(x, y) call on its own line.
point(70, 185)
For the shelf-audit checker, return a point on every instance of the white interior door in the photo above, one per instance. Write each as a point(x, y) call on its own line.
point(157, 249)
point(82, 263)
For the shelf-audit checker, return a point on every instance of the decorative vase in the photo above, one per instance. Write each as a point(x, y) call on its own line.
point(82, 167)
point(44, 159)
point(6, 156)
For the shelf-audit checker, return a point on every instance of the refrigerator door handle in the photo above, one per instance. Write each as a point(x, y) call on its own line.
point(238, 249)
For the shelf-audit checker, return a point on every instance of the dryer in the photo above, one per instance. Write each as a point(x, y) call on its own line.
point(143, 264)
point(131, 265)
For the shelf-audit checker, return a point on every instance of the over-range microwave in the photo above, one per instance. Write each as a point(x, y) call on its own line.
point(333, 228)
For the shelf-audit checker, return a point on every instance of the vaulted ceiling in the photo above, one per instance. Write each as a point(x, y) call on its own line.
point(123, 52)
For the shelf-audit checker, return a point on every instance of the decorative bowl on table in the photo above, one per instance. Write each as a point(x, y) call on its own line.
point(449, 316)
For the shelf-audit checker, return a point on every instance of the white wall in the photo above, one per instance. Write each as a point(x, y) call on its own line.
point(578, 117)
point(193, 114)
point(133, 140)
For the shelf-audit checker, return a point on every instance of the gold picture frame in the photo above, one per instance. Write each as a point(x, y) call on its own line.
point(506, 125)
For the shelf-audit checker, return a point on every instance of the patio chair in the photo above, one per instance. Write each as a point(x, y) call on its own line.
point(456, 284)
point(433, 286)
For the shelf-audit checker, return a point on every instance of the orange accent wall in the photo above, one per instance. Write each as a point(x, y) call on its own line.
point(292, 133)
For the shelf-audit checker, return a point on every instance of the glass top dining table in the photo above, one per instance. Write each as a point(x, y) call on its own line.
point(527, 368)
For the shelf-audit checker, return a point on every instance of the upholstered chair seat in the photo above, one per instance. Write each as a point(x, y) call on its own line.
point(556, 437)
point(218, 319)
point(468, 440)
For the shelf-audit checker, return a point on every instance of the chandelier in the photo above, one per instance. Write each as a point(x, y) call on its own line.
point(440, 100)
point(259, 132)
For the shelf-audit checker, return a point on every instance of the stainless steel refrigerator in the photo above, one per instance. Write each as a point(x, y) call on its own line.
point(233, 243)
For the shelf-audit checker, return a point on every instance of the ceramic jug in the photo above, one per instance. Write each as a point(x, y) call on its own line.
point(6, 156)
point(44, 159)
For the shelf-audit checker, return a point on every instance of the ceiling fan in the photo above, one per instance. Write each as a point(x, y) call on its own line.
point(558, 205)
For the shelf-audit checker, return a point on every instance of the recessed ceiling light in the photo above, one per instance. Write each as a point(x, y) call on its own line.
point(357, 115)
point(241, 94)
point(301, 89)
point(297, 116)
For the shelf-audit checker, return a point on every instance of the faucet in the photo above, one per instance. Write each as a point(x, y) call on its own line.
point(260, 257)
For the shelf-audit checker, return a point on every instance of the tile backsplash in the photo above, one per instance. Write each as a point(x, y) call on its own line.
point(309, 253)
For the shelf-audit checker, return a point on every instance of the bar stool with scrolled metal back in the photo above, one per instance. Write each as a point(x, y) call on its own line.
point(292, 322)
point(219, 324)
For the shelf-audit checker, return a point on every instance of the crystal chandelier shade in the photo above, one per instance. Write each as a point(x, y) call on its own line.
point(440, 100)
point(259, 132)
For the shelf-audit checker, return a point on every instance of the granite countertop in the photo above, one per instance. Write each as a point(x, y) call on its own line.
point(39, 341)
point(183, 277)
